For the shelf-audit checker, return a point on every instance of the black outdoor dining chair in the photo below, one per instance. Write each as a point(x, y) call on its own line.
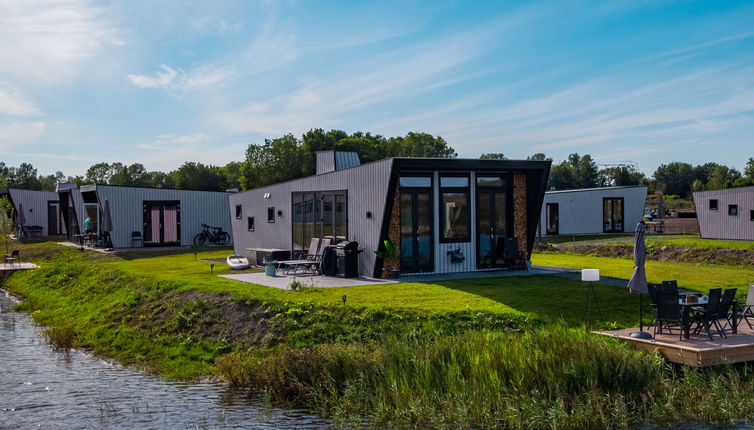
point(669, 313)
point(670, 286)
point(726, 310)
point(708, 316)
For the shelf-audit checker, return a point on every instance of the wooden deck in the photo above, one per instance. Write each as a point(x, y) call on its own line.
point(7, 269)
point(697, 350)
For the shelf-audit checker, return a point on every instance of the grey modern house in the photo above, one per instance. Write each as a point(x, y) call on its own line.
point(41, 209)
point(442, 215)
point(144, 216)
point(592, 210)
point(726, 214)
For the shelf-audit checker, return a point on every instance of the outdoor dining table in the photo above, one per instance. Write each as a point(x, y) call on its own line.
point(688, 305)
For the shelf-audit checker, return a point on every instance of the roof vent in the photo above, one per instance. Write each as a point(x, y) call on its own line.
point(330, 161)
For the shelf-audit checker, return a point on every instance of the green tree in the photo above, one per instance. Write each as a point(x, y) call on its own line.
point(675, 178)
point(493, 156)
point(197, 176)
point(749, 169)
point(6, 221)
point(575, 172)
point(722, 177)
point(620, 176)
point(275, 161)
point(538, 157)
point(99, 173)
point(24, 177)
point(134, 175)
point(232, 173)
point(160, 180)
point(426, 145)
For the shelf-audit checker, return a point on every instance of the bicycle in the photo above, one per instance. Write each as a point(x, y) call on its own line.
point(218, 237)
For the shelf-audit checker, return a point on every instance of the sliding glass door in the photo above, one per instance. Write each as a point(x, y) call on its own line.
point(612, 215)
point(162, 223)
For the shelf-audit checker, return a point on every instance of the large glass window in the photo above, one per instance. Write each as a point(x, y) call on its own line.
point(416, 181)
point(612, 214)
point(454, 209)
point(318, 215)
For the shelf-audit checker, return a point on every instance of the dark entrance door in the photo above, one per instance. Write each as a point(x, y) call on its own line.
point(612, 214)
point(491, 228)
point(162, 223)
point(552, 218)
point(53, 218)
point(417, 250)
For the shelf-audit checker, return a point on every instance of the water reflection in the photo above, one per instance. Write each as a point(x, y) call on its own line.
point(43, 388)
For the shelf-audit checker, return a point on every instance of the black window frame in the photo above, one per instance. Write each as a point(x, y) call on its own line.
point(465, 190)
point(732, 210)
point(612, 221)
point(715, 206)
point(250, 223)
point(271, 214)
point(751, 214)
point(239, 211)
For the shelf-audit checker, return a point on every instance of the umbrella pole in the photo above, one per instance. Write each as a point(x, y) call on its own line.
point(641, 334)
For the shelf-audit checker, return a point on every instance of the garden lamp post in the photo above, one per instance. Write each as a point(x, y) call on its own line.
point(591, 276)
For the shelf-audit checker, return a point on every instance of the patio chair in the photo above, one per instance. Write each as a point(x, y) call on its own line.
point(725, 311)
point(708, 316)
point(136, 238)
point(310, 262)
point(669, 313)
point(511, 253)
point(745, 311)
point(670, 285)
point(11, 258)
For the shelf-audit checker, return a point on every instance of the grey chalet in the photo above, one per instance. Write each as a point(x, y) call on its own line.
point(439, 215)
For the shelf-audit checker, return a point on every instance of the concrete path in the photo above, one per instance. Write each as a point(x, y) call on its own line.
point(283, 281)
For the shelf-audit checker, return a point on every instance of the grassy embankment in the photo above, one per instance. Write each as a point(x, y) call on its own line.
point(490, 352)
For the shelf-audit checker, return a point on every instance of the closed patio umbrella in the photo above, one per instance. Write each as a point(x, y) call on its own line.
point(107, 224)
point(638, 282)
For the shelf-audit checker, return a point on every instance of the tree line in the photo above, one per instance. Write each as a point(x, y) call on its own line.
point(290, 157)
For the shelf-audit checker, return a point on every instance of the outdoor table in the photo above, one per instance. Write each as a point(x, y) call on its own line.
point(687, 306)
point(701, 301)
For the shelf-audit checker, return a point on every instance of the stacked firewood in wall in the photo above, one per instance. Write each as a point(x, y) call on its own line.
point(394, 236)
point(519, 212)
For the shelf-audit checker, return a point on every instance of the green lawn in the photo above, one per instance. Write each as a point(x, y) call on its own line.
point(663, 240)
point(699, 277)
point(542, 297)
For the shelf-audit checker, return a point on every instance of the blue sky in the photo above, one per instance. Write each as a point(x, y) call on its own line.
point(165, 82)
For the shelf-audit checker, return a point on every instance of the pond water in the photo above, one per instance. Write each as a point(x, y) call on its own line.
point(42, 388)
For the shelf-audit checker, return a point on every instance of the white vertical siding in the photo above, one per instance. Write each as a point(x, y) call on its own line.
point(580, 211)
point(367, 188)
point(34, 204)
point(718, 224)
point(197, 207)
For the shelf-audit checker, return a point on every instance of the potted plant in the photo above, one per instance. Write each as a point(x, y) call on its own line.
point(391, 257)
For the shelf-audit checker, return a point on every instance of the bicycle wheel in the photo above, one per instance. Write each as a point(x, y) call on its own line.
point(200, 239)
point(223, 239)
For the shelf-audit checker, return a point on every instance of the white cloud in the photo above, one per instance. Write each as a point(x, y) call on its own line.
point(23, 132)
point(163, 141)
point(177, 79)
point(48, 40)
point(168, 151)
point(12, 102)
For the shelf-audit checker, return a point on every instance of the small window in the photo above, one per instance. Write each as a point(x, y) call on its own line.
point(416, 181)
point(250, 222)
point(271, 214)
point(489, 181)
point(452, 181)
point(751, 215)
point(713, 204)
point(239, 211)
point(733, 210)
